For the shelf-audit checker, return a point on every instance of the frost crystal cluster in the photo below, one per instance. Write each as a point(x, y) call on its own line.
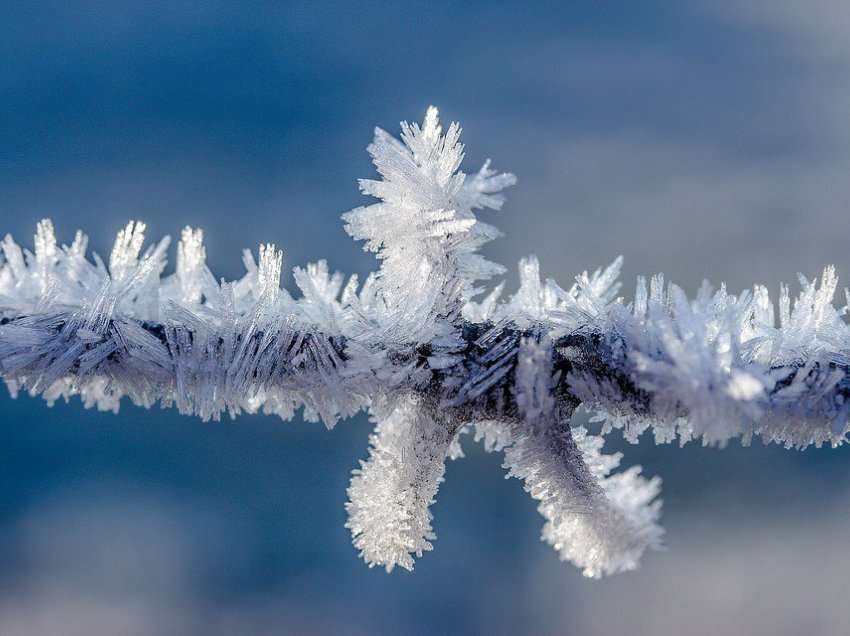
point(431, 356)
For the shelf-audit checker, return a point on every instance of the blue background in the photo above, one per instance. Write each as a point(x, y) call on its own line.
point(695, 140)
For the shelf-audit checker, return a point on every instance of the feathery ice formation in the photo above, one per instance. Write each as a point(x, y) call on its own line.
point(429, 362)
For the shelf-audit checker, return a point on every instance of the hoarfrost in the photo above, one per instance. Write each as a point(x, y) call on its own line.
point(430, 355)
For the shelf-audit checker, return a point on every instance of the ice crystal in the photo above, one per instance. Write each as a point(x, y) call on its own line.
point(424, 229)
point(431, 356)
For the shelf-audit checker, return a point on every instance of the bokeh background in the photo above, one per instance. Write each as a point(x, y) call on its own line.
point(701, 139)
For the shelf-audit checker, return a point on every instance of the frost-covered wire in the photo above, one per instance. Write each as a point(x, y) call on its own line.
point(431, 355)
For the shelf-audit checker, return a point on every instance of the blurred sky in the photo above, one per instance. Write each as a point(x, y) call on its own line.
point(701, 139)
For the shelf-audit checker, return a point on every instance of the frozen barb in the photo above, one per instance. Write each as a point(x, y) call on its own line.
point(391, 492)
point(603, 523)
point(414, 347)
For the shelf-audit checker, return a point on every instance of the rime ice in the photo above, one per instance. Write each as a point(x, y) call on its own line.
point(431, 356)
